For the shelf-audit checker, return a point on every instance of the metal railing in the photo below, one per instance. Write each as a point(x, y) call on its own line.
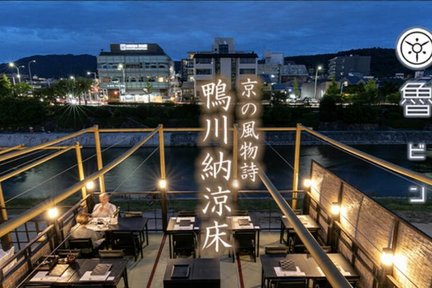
point(164, 196)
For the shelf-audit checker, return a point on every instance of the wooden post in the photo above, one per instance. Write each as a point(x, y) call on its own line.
point(99, 158)
point(163, 190)
point(81, 171)
point(6, 240)
point(296, 166)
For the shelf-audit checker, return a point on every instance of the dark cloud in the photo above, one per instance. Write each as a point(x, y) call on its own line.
point(295, 28)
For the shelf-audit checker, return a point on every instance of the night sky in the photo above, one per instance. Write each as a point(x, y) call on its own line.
point(294, 28)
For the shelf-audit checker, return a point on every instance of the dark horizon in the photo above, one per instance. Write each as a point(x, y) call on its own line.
point(260, 55)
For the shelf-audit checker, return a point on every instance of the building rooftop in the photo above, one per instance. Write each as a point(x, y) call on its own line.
point(150, 49)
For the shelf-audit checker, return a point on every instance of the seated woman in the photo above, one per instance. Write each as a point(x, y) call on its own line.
point(80, 231)
point(104, 208)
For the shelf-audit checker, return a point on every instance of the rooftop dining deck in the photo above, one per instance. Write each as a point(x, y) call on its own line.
point(344, 238)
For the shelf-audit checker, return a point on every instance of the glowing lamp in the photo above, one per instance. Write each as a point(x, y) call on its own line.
point(235, 184)
point(307, 183)
point(162, 184)
point(335, 208)
point(387, 257)
point(90, 185)
point(53, 213)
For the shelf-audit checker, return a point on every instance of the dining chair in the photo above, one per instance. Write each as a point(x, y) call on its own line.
point(105, 253)
point(290, 283)
point(186, 213)
point(244, 242)
point(325, 284)
point(240, 213)
point(132, 214)
point(84, 245)
point(184, 244)
point(276, 250)
point(126, 241)
point(66, 252)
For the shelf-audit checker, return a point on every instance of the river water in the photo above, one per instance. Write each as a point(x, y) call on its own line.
point(141, 171)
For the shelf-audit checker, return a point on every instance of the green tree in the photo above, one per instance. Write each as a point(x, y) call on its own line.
point(21, 89)
point(5, 86)
point(333, 91)
point(81, 86)
point(328, 109)
point(278, 98)
point(368, 94)
point(393, 98)
point(296, 88)
point(148, 89)
point(46, 94)
point(371, 92)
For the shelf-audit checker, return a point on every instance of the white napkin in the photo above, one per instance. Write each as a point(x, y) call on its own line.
point(88, 277)
point(281, 273)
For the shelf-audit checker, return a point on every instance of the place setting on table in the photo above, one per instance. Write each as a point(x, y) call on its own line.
point(71, 271)
point(101, 223)
point(241, 222)
point(301, 266)
point(287, 267)
point(184, 223)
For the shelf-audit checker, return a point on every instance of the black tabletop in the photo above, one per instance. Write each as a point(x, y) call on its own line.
point(173, 225)
point(76, 270)
point(201, 269)
point(306, 220)
point(129, 224)
point(307, 264)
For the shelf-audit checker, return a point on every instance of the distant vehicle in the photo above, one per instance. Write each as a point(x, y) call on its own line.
point(310, 102)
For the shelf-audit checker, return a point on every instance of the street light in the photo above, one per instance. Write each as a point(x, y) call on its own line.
point(316, 79)
point(92, 73)
point(12, 65)
point(121, 67)
point(73, 91)
point(29, 69)
point(95, 83)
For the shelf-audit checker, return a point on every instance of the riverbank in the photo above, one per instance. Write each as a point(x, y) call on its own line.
point(190, 138)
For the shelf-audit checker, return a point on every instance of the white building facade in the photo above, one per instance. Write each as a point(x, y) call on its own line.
point(135, 73)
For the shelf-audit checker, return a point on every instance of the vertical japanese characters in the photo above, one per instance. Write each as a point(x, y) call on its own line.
point(216, 164)
point(249, 115)
point(416, 100)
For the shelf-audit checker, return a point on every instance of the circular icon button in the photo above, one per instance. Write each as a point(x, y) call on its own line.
point(414, 48)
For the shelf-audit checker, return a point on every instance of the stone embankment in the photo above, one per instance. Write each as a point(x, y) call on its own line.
point(190, 138)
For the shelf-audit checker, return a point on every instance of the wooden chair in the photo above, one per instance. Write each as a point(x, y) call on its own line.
point(324, 283)
point(184, 244)
point(290, 283)
point(65, 252)
point(276, 250)
point(186, 213)
point(132, 214)
point(84, 245)
point(128, 242)
point(240, 213)
point(244, 242)
point(105, 253)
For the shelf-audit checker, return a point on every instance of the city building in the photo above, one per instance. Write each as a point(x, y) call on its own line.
point(135, 73)
point(223, 61)
point(281, 71)
point(341, 66)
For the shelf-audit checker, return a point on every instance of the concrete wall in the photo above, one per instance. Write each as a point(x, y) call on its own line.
point(366, 228)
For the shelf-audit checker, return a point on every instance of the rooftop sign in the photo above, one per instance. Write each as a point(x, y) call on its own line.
point(133, 47)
